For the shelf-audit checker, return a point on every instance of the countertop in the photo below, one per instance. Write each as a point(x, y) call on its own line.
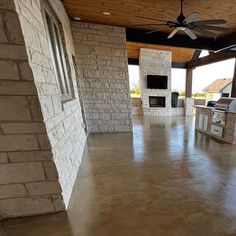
point(204, 107)
point(212, 108)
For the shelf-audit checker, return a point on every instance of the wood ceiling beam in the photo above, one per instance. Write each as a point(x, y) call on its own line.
point(212, 58)
point(226, 42)
point(140, 36)
point(179, 65)
point(196, 54)
point(133, 61)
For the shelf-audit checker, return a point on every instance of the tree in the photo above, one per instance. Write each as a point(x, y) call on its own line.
point(135, 91)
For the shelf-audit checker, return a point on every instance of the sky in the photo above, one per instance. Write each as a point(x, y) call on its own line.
point(202, 76)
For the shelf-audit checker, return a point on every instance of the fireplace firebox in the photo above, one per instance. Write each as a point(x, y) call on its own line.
point(157, 101)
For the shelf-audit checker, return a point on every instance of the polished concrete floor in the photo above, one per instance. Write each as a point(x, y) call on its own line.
point(164, 179)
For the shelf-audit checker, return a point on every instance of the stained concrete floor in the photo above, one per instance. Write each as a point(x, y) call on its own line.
point(164, 179)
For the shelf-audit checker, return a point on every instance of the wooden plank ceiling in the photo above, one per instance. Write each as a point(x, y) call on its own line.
point(125, 12)
point(178, 54)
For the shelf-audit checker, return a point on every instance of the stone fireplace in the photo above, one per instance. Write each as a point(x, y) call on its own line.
point(157, 101)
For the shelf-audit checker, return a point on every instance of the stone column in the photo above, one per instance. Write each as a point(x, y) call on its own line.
point(188, 106)
point(189, 101)
point(155, 62)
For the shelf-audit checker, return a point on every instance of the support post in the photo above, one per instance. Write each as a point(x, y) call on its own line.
point(233, 91)
point(189, 101)
point(188, 83)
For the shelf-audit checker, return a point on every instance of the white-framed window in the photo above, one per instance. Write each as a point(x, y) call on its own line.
point(52, 25)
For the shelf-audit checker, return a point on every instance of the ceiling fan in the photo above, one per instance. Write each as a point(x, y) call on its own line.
point(188, 25)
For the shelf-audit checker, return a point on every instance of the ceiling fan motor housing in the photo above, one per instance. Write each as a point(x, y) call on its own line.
point(181, 18)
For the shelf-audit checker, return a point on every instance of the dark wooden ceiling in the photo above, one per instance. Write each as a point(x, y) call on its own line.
point(125, 12)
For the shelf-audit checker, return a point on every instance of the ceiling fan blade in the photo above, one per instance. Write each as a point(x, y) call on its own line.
point(191, 17)
point(205, 32)
point(157, 30)
point(208, 22)
point(174, 20)
point(215, 28)
point(190, 33)
point(149, 18)
point(172, 33)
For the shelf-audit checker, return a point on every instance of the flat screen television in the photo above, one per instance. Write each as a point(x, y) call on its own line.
point(157, 81)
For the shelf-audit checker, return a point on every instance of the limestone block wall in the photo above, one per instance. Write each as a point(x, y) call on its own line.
point(155, 62)
point(103, 76)
point(63, 120)
point(230, 128)
point(28, 175)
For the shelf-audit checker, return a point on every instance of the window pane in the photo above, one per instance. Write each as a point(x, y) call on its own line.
point(134, 80)
point(54, 51)
point(57, 53)
point(60, 59)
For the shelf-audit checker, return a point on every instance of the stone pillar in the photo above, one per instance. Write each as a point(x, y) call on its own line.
point(233, 91)
point(188, 83)
point(188, 106)
point(189, 101)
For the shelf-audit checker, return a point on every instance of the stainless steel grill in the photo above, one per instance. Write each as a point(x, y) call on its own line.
point(223, 105)
point(226, 105)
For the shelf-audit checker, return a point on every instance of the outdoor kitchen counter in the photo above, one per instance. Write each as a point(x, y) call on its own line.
point(204, 124)
point(204, 107)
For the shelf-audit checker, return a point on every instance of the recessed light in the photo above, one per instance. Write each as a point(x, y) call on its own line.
point(106, 13)
point(76, 18)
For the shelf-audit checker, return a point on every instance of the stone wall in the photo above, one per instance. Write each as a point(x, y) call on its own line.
point(63, 120)
point(103, 76)
point(201, 102)
point(155, 62)
point(41, 138)
point(28, 176)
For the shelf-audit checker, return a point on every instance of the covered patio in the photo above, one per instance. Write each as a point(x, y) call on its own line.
point(73, 159)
